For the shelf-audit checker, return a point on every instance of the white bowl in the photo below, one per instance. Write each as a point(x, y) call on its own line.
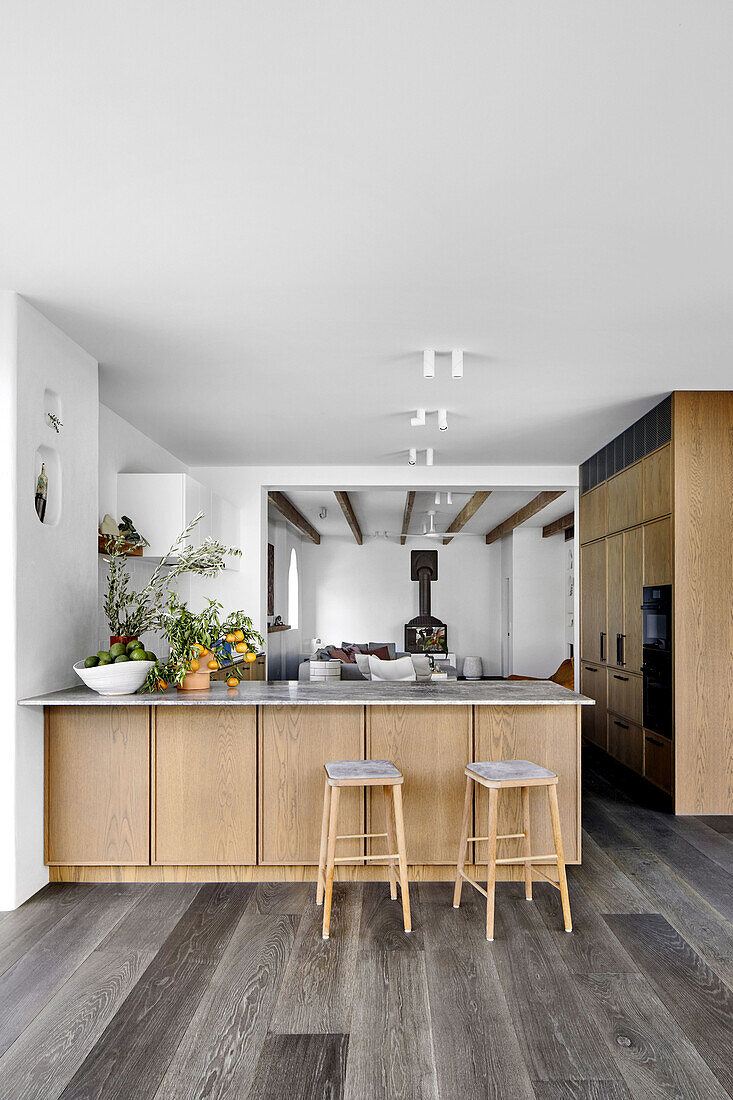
point(122, 679)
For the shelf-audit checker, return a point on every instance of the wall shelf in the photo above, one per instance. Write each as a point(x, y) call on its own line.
point(277, 629)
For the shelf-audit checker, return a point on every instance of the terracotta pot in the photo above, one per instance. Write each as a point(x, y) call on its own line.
point(114, 638)
point(195, 681)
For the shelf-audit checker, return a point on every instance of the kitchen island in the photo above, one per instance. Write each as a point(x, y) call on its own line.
point(227, 784)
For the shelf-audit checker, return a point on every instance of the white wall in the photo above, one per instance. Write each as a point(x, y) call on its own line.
point(538, 602)
point(364, 593)
point(53, 568)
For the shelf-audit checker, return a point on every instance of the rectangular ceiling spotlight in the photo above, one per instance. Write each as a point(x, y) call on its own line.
point(428, 363)
point(456, 363)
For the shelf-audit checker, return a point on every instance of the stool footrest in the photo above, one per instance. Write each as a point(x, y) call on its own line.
point(358, 859)
point(547, 877)
point(528, 859)
point(504, 836)
point(360, 836)
point(474, 884)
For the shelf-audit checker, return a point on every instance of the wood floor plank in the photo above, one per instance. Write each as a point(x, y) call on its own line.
point(136, 1047)
point(474, 1040)
point(30, 983)
point(307, 1066)
point(42, 1060)
point(695, 996)
point(722, 825)
point(23, 927)
point(318, 987)
point(277, 899)
point(651, 1052)
point(714, 845)
point(588, 950)
point(219, 1052)
point(581, 1090)
point(610, 890)
point(557, 1037)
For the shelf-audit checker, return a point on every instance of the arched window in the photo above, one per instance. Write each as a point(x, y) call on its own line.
point(293, 590)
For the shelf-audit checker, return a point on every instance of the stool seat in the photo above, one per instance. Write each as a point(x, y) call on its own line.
point(509, 773)
point(378, 772)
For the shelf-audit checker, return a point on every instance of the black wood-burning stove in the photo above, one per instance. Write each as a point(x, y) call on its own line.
point(425, 633)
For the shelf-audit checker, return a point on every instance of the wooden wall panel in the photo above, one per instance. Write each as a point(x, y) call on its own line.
point(593, 601)
point(97, 785)
point(205, 785)
point(658, 554)
point(633, 596)
point(657, 478)
point(295, 743)
point(703, 601)
point(431, 746)
point(548, 736)
point(625, 499)
point(593, 517)
point(615, 589)
point(593, 719)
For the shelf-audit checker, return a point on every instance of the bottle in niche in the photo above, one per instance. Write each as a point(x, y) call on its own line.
point(41, 493)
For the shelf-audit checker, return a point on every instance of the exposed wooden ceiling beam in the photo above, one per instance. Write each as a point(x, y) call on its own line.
point(558, 525)
point(406, 517)
point(536, 505)
point(467, 512)
point(287, 509)
point(346, 507)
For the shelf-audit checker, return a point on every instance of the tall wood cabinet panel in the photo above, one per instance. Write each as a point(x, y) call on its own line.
point(658, 568)
point(205, 769)
point(431, 746)
point(615, 597)
point(593, 719)
point(657, 478)
point(547, 736)
point(633, 596)
point(625, 506)
point(593, 514)
point(97, 785)
point(295, 743)
point(593, 627)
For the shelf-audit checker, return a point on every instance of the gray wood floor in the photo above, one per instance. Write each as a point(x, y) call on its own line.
point(228, 990)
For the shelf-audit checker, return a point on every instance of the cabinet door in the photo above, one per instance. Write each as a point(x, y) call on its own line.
point(625, 742)
point(593, 719)
point(633, 595)
point(615, 588)
point(205, 785)
point(431, 746)
point(657, 476)
point(592, 509)
point(658, 552)
point(97, 785)
point(593, 602)
point(625, 508)
point(295, 743)
point(625, 694)
point(658, 760)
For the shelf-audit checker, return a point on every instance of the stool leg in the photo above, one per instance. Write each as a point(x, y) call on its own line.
point(491, 868)
point(463, 845)
point(527, 844)
point(557, 836)
point(330, 856)
point(324, 844)
point(400, 827)
point(390, 840)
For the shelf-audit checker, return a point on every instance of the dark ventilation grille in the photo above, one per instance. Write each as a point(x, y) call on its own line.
point(643, 437)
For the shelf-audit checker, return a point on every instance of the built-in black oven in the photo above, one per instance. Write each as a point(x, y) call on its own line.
point(657, 666)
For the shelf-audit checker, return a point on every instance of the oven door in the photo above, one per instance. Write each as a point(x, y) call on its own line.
point(657, 700)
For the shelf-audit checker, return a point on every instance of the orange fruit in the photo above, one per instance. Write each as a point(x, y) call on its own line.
point(213, 665)
point(232, 682)
point(161, 685)
point(250, 656)
point(231, 638)
point(239, 635)
point(194, 666)
point(240, 647)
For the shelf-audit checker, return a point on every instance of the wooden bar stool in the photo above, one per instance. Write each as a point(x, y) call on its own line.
point(499, 775)
point(362, 773)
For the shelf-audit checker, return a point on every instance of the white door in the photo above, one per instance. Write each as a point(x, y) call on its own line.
point(506, 626)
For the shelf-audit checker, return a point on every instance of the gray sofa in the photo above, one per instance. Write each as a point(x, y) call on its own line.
point(351, 672)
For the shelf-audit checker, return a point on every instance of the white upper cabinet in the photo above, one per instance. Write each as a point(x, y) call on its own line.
point(162, 505)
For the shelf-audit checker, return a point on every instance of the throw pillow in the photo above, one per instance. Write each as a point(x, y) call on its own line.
point(421, 664)
point(390, 646)
point(401, 669)
point(380, 651)
point(337, 654)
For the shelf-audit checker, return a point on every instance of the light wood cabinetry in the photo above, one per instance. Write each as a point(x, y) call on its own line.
point(548, 736)
point(658, 760)
point(633, 596)
point(625, 507)
point(625, 694)
point(593, 627)
point(205, 782)
point(431, 745)
point(295, 743)
point(97, 785)
point(615, 598)
point(657, 483)
point(593, 684)
point(658, 568)
point(625, 742)
point(593, 514)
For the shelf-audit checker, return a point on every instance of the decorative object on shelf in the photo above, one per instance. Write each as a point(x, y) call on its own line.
point(54, 422)
point(130, 614)
point(128, 532)
point(109, 530)
point(473, 668)
point(41, 493)
point(201, 644)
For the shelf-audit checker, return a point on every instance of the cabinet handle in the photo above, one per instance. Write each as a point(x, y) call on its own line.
point(624, 678)
point(655, 741)
point(623, 727)
point(620, 649)
point(587, 669)
point(603, 645)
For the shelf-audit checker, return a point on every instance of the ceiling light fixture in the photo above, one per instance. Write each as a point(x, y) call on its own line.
point(456, 363)
point(428, 363)
point(443, 420)
point(449, 498)
point(429, 455)
point(412, 456)
point(437, 498)
point(418, 420)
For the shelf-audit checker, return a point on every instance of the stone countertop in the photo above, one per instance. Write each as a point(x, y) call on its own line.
point(496, 693)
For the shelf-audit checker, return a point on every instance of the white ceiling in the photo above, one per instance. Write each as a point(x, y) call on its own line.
point(256, 215)
point(379, 510)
